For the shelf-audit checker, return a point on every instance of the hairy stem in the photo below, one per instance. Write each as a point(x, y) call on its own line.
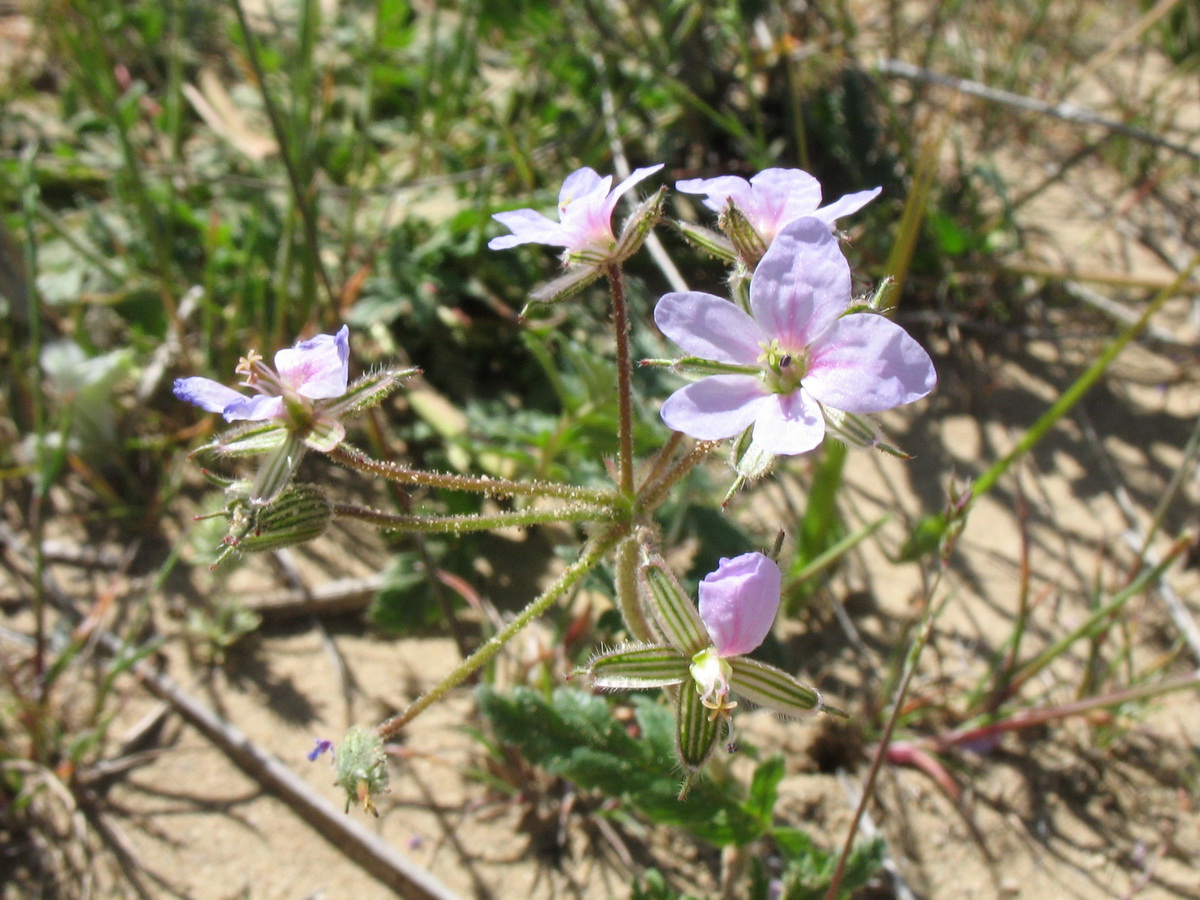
point(576, 512)
point(624, 381)
point(588, 560)
point(356, 459)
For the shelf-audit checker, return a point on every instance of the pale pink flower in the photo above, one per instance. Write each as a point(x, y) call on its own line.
point(585, 210)
point(774, 198)
point(738, 602)
point(795, 356)
point(316, 369)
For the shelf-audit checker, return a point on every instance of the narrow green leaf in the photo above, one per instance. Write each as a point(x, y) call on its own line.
point(764, 790)
point(673, 609)
point(638, 666)
point(697, 729)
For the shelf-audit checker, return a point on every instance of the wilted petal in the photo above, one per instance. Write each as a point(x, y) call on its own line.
point(716, 407)
point(317, 368)
point(845, 205)
point(789, 424)
point(738, 602)
point(709, 327)
point(528, 227)
point(207, 394)
point(801, 285)
point(865, 363)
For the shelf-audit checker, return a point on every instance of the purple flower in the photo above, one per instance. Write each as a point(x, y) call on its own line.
point(738, 602)
point(796, 357)
point(323, 745)
point(584, 226)
point(316, 369)
point(774, 198)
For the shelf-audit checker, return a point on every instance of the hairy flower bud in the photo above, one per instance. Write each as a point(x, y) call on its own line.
point(361, 768)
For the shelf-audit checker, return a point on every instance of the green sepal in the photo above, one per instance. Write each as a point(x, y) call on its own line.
point(708, 240)
point(565, 286)
point(635, 666)
point(775, 689)
point(745, 239)
point(697, 729)
point(324, 434)
point(276, 471)
point(248, 439)
point(640, 223)
point(858, 431)
point(299, 514)
point(750, 461)
point(672, 609)
point(694, 365)
point(369, 391)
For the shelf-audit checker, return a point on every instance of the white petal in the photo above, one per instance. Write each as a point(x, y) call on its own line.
point(528, 227)
point(789, 424)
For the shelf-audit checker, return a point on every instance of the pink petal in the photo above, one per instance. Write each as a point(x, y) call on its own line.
point(635, 176)
point(254, 409)
point(789, 424)
point(205, 393)
point(317, 368)
point(709, 327)
point(844, 206)
point(801, 285)
point(579, 184)
point(719, 191)
point(865, 363)
point(716, 407)
point(781, 196)
point(528, 227)
point(738, 602)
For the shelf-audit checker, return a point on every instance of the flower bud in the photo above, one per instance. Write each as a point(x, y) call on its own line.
point(361, 767)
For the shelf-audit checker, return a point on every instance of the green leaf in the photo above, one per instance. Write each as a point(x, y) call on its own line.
point(576, 736)
point(764, 790)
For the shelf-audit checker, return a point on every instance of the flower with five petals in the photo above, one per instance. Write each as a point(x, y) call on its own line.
point(796, 358)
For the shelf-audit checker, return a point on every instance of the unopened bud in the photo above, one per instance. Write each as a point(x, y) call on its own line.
point(745, 239)
point(361, 767)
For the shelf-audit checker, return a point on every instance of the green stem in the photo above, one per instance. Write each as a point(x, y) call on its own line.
point(588, 560)
point(652, 495)
point(624, 379)
point(353, 458)
point(471, 522)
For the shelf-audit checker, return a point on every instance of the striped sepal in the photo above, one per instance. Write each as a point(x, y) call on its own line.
point(276, 471)
point(773, 688)
point(672, 609)
point(248, 439)
point(369, 391)
point(638, 666)
point(697, 729)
